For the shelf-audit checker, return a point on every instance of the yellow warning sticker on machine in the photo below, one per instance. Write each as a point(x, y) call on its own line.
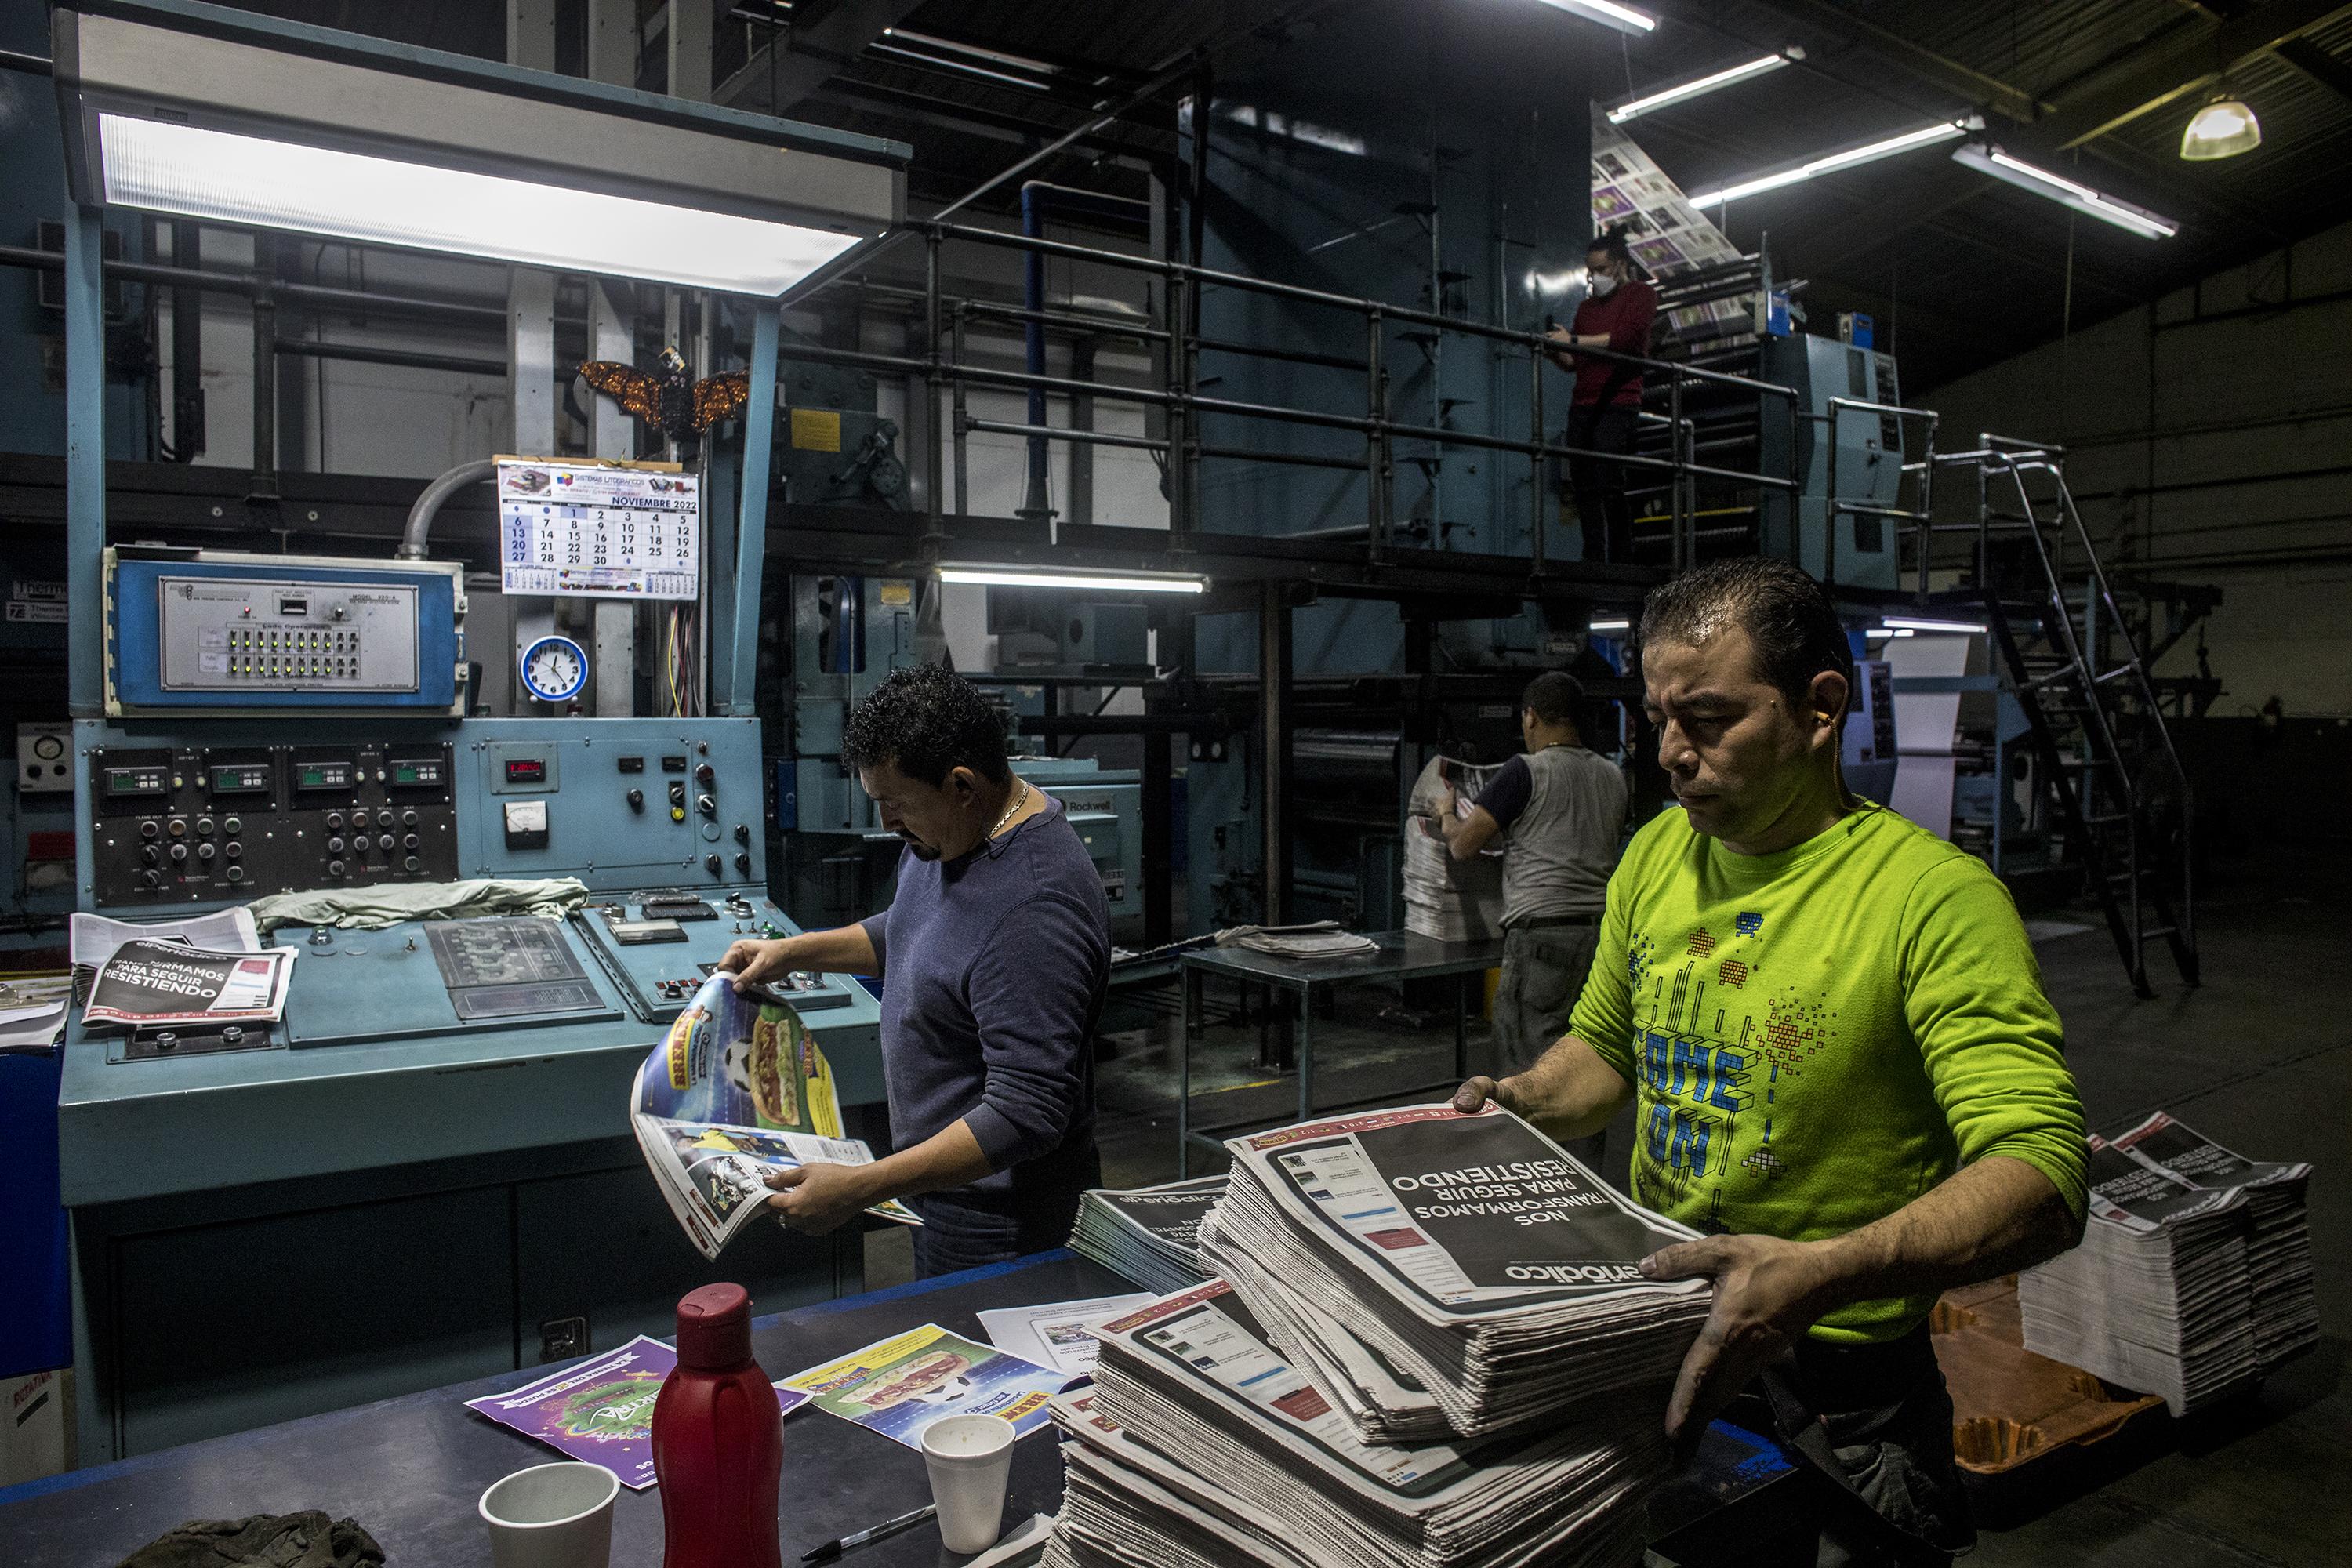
point(898, 593)
point(816, 430)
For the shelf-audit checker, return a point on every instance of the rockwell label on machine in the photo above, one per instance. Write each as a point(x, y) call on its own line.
point(599, 531)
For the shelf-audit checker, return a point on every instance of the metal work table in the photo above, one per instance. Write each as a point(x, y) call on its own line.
point(1402, 955)
point(411, 1469)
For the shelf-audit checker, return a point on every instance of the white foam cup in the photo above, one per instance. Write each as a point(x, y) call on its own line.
point(552, 1516)
point(971, 1461)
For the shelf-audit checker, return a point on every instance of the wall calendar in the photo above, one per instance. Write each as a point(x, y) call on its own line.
point(597, 530)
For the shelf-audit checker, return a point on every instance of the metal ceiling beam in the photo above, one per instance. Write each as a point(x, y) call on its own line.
point(1962, 81)
point(817, 50)
point(2146, 80)
point(2318, 65)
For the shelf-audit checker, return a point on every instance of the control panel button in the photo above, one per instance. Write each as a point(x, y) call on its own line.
point(742, 833)
point(636, 800)
point(150, 880)
point(204, 827)
point(334, 845)
point(204, 853)
point(704, 775)
point(232, 827)
point(385, 843)
point(706, 805)
point(178, 852)
point(713, 862)
point(177, 829)
point(408, 819)
point(411, 841)
point(335, 868)
point(151, 854)
point(232, 850)
point(334, 822)
point(235, 873)
point(151, 829)
point(743, 861)
point(411, 864)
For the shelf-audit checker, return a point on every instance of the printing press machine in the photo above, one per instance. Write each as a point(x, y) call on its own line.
point(425, 1171)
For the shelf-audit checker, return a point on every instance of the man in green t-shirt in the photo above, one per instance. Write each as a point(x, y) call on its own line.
point(1841, 1063)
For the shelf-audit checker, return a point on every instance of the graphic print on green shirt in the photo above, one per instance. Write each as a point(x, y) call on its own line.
point(1819, 1035)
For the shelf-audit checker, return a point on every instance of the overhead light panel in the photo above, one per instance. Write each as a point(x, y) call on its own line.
point(1926, 135)
point(1635, 108)
point(1101, 582)
point(2222, 129)
point(1625, 19)
point(1882, 633)
point(1912, 624)
point(2069, 193)
point(228, 117)
point(1606, 627)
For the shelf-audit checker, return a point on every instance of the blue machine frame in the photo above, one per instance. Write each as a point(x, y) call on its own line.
point(367, 1126)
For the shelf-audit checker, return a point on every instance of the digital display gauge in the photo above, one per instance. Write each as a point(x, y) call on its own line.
point(554, 668)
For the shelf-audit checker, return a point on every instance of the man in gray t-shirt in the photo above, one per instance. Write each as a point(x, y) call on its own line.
point(1560, 809)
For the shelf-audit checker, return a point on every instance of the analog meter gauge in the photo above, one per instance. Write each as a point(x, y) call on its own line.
point(554, 670)
point(48, 748)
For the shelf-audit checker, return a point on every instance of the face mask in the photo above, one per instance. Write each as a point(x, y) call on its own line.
point(1601, 284)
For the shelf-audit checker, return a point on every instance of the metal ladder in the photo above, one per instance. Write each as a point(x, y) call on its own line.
point(2079, 676)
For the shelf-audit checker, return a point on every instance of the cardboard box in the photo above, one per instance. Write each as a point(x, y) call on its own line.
point(36, 1426)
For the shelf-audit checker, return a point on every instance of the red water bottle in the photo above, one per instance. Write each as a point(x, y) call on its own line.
point(719, 1442)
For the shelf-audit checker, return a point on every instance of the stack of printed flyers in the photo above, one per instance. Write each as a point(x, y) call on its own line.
point(739, 1088)
point(2278, 1241)
point(1146, 1233)
point(1429, 1343)
point(2157, 1297)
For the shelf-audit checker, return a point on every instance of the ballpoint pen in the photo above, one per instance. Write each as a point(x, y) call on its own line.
point(833, 1549)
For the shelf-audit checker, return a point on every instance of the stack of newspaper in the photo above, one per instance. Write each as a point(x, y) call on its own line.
point(2278, 1244)
point(1453, 901)
point(1435, 1273)
point(2156, 1297)
point(1146, 1234)
point(1201, 1446)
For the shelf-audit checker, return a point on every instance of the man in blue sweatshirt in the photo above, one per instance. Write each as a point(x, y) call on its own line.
point(993, 955)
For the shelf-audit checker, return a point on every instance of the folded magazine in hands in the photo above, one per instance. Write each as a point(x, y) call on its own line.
point(739, 1088)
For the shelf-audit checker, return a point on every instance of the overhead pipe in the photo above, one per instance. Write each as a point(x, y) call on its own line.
point(420, 516)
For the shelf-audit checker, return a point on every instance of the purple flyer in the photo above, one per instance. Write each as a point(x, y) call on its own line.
point(601, 1409)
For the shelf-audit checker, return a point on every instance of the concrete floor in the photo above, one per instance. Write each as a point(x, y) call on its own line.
point(2259, 1059)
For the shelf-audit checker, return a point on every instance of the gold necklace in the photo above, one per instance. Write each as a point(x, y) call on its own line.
point(1018, 802)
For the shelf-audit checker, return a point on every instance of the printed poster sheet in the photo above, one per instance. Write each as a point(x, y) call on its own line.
point(1056, 1333)
point(600, 1410)
point(1664, 233)
point(899, 1386)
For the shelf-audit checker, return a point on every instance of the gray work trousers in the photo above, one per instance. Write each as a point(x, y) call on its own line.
point(1543, 974)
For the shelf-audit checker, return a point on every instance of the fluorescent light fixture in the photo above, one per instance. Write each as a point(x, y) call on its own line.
point(1625, 19)
point(2222, 129)
point(1888, 632)
point(1604, 627)
point(1636, 108)
point(1910, 623)
point(1942, 131)
point(2069, 193)
point(198, 174)
point(1101, 582)
point(229, 117)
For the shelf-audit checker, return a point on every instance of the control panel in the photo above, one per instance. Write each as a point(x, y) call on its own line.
point(198, 824)
point(203, 631)
point(223, 811)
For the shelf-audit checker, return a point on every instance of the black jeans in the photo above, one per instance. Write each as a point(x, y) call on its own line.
point(964, 1229)
point(1544, 969)
point(1888, 1418)
point(1598, 485)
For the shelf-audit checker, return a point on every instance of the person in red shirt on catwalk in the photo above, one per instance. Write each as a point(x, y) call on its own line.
point(1616, 315)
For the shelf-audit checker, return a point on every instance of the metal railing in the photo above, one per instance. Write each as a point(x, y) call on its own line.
point(946, 371)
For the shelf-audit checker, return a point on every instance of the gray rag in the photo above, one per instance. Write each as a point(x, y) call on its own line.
point(308, 1539)
point(372, 908)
